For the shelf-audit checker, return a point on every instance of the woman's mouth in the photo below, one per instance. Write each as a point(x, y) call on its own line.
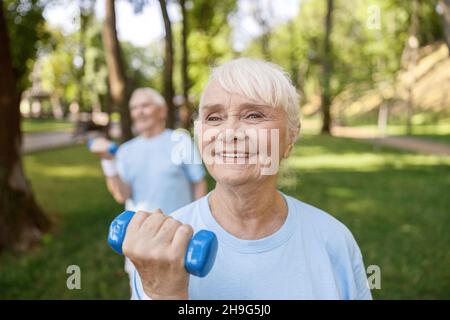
point(234, 157)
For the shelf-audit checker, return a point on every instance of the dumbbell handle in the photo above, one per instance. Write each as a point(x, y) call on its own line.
point(200, 254)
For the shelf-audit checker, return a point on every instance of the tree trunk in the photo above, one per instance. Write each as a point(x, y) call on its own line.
point(22, 222)
point(412, 46)
point(82, 51)
point(445, 8)
point(120, 92)
point(168, 66)
point(326, 71)
point(265, 28)
point(293, 60)
point(186, 110)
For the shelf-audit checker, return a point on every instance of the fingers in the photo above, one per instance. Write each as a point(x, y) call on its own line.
point(137, 220)
point(153, 223)
point(161, 229)
point(182, 237)
point(141, 217)
point(167, 230)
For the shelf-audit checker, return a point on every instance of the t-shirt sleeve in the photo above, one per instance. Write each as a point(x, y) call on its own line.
point(359, 272)
point(186, 152)
point(358, 269)
point(121, 165)
point(137, 291)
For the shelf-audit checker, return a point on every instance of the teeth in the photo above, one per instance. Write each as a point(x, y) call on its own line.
point(233, 155)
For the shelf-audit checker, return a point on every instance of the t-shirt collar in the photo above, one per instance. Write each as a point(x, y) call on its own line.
point(248, 246)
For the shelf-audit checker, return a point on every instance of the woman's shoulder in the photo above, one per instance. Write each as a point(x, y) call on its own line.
point(322, 223)
point(189, 214)
point(313, 214)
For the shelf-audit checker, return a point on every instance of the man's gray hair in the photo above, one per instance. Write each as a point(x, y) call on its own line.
point(154, 96)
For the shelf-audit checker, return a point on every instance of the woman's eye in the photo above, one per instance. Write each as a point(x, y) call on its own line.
point(254, 115)
point(212, 118)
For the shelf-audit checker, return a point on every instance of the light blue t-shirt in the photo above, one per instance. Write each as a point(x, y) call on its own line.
point(160, 170)
point(312, 256)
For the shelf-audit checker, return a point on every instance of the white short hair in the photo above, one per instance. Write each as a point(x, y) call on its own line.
point(262, 81)
point(154, 96)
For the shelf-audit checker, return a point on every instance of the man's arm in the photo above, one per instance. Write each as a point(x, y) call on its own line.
point(199, 189)
point(120, 190)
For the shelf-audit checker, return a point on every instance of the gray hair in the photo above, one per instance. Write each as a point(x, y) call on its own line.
point(154, 96)
point(264, 81)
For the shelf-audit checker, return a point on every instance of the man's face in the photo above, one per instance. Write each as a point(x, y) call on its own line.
point(145, 114)
point(237, 133)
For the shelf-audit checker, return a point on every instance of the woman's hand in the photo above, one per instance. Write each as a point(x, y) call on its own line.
point(157, 244)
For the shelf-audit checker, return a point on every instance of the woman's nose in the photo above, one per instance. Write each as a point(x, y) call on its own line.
point(231, 134)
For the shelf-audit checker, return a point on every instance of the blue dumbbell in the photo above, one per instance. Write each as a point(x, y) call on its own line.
point(112, 149)
point(200, 254)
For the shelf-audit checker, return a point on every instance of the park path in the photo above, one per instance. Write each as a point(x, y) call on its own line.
point(405, 143)
point(48, 140)
point(38, 141)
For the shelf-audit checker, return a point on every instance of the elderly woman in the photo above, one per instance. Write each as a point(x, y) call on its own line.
point(271, 246)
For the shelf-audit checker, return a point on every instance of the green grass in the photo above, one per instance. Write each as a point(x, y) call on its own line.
point(395, 203)
point(437, 133)
point(433, 127)
point(69, 185)
point(41, 125)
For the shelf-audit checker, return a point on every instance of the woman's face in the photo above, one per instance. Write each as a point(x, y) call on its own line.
point(241, 140)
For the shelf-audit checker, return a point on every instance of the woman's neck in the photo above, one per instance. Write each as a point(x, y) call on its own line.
point(250, 211)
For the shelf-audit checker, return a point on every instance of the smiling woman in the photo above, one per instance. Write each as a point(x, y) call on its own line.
point(271, 246)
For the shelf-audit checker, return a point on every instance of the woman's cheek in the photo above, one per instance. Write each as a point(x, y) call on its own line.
point(207, 152)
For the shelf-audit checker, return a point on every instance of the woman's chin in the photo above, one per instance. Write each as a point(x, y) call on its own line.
point(235, 176)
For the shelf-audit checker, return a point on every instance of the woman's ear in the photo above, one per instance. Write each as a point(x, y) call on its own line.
point(292, 139)
point(288, 150)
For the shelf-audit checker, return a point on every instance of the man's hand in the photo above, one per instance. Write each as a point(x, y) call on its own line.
point(157, 244)
point(100, 147)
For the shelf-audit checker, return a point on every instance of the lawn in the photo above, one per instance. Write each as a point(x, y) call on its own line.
point(69, 185)
point(40, 125)
point(437, 132)
point(395, 203)
point(430, 126)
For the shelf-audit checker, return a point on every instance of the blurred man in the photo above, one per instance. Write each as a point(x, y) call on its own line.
point(147, 172)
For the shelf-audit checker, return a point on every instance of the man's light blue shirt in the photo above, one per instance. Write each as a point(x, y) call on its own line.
point(160, 170)
point(312, 256)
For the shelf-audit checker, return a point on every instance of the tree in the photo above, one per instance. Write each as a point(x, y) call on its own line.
point(444, 6)
point(186, 110)
point(326, 71)
point(86, 14)
point(209, 38)
point(262, 17)
point(22, 222)
point(409, 61)
point(168, 65)
point(118, 83)
point(26, 28)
